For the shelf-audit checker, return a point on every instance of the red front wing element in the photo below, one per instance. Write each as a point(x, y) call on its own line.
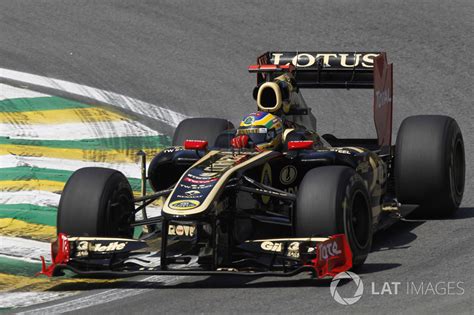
point(60, 251)
point(333, 256)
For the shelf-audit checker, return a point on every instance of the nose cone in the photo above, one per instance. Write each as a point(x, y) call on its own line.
point(269, 98)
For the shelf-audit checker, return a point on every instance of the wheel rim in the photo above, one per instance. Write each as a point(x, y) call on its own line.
point(457, 167)
point(359, 220)
point(119, 214)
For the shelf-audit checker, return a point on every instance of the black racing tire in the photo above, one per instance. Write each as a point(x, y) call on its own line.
point(334, 200)
point(200, 129)
point(430, 165)
point(96, 202)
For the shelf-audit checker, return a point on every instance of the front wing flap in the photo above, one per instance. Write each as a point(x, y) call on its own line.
point(323, 257)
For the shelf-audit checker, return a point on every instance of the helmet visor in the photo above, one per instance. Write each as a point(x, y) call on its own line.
point(258, 135)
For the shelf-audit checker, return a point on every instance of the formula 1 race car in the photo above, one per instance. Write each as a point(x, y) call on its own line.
point(271, 197)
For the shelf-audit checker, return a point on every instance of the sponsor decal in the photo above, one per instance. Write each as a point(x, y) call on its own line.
point(382, 98)
point(184, 204)
point(204, 176)
point(83, 245)
point(272, 246)
point(288, 174)
point(275, 193)
point(82, 249)
point(329, 249)
point(304, 60)
point(198, 187)
point(173, 149)
point(197, 181)
point(292, 190)
point(181, 230)
point(266, 179)
point(293, 250)
point(339, 150)
point(249, 120)
point(192, 192)
point(209, 174)
point(114, 246)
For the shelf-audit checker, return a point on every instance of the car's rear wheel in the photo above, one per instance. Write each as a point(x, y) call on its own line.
point(96, 202)
point(334, 200)
point(200, 129)
point(430, 164)
point(163, 173)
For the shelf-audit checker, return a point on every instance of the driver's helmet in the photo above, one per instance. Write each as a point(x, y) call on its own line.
point(263, 129)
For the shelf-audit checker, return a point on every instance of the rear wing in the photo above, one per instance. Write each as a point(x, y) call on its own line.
point(334, 70)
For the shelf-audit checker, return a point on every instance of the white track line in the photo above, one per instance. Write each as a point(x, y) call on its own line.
point(24, 249)
point(102, 297)
point(8, 92)
point(77, 131)
point(165, 115)
point(23, 299)
point(128, 169)
point(34, 197)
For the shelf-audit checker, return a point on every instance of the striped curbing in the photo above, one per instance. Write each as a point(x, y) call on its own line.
point(54, 116)
point(31, 184)
point(131, 170)
point(18, 228)
point(29, 213)
point(124, 155)
point(77, 131)
point(43, 139)
point(132, 143)
point(26, 250)
point(60, 175)
point(8, 92)
point(42, 102)
point(158, 113)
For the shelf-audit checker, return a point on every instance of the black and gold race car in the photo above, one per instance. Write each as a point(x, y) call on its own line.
point(271, 197)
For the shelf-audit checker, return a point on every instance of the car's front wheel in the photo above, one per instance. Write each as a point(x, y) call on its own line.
point(96, 202)
point(334, 200)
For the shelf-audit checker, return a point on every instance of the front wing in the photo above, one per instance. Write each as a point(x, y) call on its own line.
point(322, 257)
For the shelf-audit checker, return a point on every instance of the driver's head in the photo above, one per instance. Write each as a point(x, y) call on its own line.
point(264, 130)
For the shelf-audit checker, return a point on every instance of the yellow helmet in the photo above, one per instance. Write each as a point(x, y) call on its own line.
point(263, 129)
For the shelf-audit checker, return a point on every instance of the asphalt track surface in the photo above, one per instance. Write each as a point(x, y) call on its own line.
point(191, 56)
